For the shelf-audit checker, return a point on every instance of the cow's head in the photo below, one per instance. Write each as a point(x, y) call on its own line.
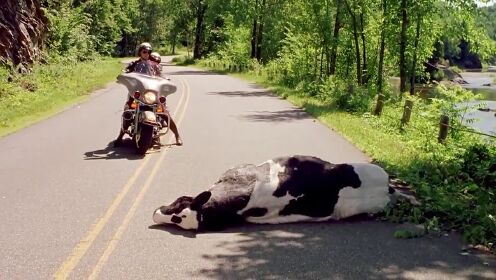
point(184, 212)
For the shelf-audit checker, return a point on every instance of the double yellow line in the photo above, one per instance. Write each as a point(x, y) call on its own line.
point(84, 244)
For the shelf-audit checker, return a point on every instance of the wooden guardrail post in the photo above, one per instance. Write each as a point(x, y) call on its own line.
point(379, 105)
point(407, 112)
point(443, 129)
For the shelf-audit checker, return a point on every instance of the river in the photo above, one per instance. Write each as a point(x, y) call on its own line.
point(485, 120)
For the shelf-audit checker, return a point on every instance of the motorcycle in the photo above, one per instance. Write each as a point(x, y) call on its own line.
point(145, 117)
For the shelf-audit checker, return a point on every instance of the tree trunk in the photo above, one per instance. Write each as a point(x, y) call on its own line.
point(200, 14)
point(259, 41)
point(260, 33)
point(403, 38)
point(357, 46)
point(414, 62)
point(364, 51)
point(254, 39)
point(254, 32)
point(380, 74)
point(335, 38)
point(174, 45)
point(321, 62)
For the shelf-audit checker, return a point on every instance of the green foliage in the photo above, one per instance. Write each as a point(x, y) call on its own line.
point(183, 60)
point(456, 69)
point(69, 37)
point(236, 49)
point(344, 96)
point(406, 234)
point(438, 75)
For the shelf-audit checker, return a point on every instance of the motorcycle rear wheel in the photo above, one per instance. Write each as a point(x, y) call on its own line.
point(143, 140)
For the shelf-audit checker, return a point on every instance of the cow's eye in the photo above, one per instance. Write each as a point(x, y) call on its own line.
point(183, 216)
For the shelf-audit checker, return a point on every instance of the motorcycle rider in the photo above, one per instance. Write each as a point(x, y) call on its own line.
point(145, 65)
point(155, 56)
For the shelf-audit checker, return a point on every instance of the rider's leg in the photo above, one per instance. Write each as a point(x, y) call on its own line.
point(124, 126)
point(173, 127)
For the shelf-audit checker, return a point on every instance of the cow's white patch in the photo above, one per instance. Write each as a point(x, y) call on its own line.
point(371, 197)
point(262, 195)
point(160, 218)
point(188, 217)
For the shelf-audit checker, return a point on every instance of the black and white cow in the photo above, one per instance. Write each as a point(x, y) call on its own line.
point(284, 190)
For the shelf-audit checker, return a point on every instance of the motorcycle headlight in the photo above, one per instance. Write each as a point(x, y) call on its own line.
point(149, 116)
point(150, 97)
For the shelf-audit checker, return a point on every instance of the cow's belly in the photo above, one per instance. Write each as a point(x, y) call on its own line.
point(359, 201)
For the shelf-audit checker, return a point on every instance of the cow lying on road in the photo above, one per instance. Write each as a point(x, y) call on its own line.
point(284, 190)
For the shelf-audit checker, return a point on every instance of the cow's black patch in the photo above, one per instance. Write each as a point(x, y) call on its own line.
point(314, 183)
point(230, 194)
point(177, 206)
point(255, 212)
point(176, 219)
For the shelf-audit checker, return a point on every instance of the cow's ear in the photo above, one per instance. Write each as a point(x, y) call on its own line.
point(199, 200)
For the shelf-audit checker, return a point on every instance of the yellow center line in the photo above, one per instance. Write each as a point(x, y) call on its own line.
point(84, 244)
point(125, 223)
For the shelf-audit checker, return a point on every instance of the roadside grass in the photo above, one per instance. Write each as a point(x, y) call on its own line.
point(183, 60)
point(456, 181)
point(48, 89)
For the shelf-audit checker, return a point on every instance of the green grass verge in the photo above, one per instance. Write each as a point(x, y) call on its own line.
point(48, 89)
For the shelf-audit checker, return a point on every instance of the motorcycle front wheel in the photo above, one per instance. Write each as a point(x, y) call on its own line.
point(143, 139)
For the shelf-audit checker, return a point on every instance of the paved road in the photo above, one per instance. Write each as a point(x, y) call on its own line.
point(73, 206)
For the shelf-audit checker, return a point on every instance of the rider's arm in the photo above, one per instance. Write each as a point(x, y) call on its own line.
point(130, 67)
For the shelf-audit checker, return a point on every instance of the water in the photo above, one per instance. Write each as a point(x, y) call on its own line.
point(483, 121)
point(476, 82)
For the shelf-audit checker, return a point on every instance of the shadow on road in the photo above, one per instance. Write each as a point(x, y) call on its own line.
point(356, 248)
point(277, 116)
point(125, 151)
point(343, 250)
point(174, 230)
point(243, 93)
point(193, 73)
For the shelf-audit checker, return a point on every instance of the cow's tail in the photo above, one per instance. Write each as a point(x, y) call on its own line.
point(403, 193)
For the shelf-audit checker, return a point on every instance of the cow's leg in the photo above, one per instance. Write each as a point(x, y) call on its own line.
point(396, 194)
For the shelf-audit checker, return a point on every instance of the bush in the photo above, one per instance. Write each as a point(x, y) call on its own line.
point(69, 37)
point(456, 69)
point(183, 60)
point(344, 95)
point(438, 75)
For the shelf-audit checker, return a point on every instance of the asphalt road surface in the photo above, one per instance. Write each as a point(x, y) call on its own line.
point(73, 206)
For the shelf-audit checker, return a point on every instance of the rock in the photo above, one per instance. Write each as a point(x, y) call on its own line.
point(23, 29)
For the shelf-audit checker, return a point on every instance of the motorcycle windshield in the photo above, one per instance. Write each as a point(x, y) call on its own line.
point(142, 83)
